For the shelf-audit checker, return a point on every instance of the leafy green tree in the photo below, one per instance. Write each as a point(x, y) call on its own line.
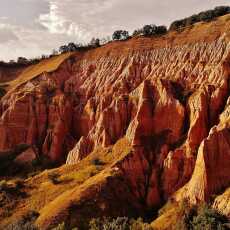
point(72, 47)
point(209, 219)
point(149, 30)
point(95, 42)
point(63, 49)
point(161, 30)
point(120, 35)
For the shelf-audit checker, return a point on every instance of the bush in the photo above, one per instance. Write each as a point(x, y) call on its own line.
point(12, 189)
point(119, 223)
point(2, 92)
point(209, 219)
point(25, 223)
point(202, 217)
point(3, 186)
point(97, 161)
point(62, 226)
point(137, 32)
point(150, 30)
point(53, 177)
point(161, 30)
point(120, 35)
point(221, 10)
point(95, 42)
point(139, 225)
point(202, 16)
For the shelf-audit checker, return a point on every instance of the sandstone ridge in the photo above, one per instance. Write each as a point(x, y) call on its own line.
point(157, 109)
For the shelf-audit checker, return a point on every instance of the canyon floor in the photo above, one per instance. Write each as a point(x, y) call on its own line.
point(126, 129)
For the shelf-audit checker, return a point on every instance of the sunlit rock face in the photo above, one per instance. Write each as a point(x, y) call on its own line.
point(167, 96)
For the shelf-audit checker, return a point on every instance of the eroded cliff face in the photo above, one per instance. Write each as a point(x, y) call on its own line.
point(169, 99)
point(8, 73)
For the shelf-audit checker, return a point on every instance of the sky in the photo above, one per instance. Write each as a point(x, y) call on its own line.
point(30, 28)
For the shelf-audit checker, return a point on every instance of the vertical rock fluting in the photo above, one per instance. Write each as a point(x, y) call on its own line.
point(39, 113)
point(190, 66)
point(164, 100)
point(211, 173)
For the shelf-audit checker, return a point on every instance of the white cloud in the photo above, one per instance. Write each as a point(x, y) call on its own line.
point(78, 18)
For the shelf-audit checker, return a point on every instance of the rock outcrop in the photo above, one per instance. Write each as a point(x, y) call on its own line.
point(166, 96)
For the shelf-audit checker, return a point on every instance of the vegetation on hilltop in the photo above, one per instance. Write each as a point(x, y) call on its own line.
point(203, 16)
point(120, 35)
point(150, 29)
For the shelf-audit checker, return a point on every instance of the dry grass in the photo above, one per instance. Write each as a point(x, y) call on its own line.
point(47, 65)
point(168, 217)
point(58, 209)
point(165, 221)
point(43, 194)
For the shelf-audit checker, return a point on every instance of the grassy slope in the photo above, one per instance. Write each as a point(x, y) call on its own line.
point(47, 65)
point(44, 196)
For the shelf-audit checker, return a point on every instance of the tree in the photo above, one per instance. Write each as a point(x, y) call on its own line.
point(177, 24)
point(95, 42)
point(149, 30)
point(54, 52)
point(221, 10)
point(202, 16)
point(161, 30)
point(208, 218)
point(72, 47)
point(63, 49)
point(137, 32)
point(120, 35)
point(191, 20)
point(206, 15)
point(22, 60)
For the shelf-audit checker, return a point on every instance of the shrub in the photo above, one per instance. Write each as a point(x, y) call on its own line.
point(185, 215)
point(12, 189)
point(62, 226)
point(119, 223)
point(202, 16)
point(221, 10)
point(97, 161)
point(95, 42)
point(137, 32)
point(53, 177)
point(202, 217)
point(139, 225)
point(3, 185)
point(161, 30)
point(2, 92)
point(25, 223)
point(120, 35)
point(150, 30)
point(208, 218)
point(19, 184)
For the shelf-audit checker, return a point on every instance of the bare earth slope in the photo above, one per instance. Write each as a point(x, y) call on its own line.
point(154, 110)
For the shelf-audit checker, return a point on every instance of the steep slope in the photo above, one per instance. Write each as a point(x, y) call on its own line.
point(165, 97)
point(9, 72)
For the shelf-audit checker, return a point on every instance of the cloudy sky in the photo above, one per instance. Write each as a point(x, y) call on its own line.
point(33, 27)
